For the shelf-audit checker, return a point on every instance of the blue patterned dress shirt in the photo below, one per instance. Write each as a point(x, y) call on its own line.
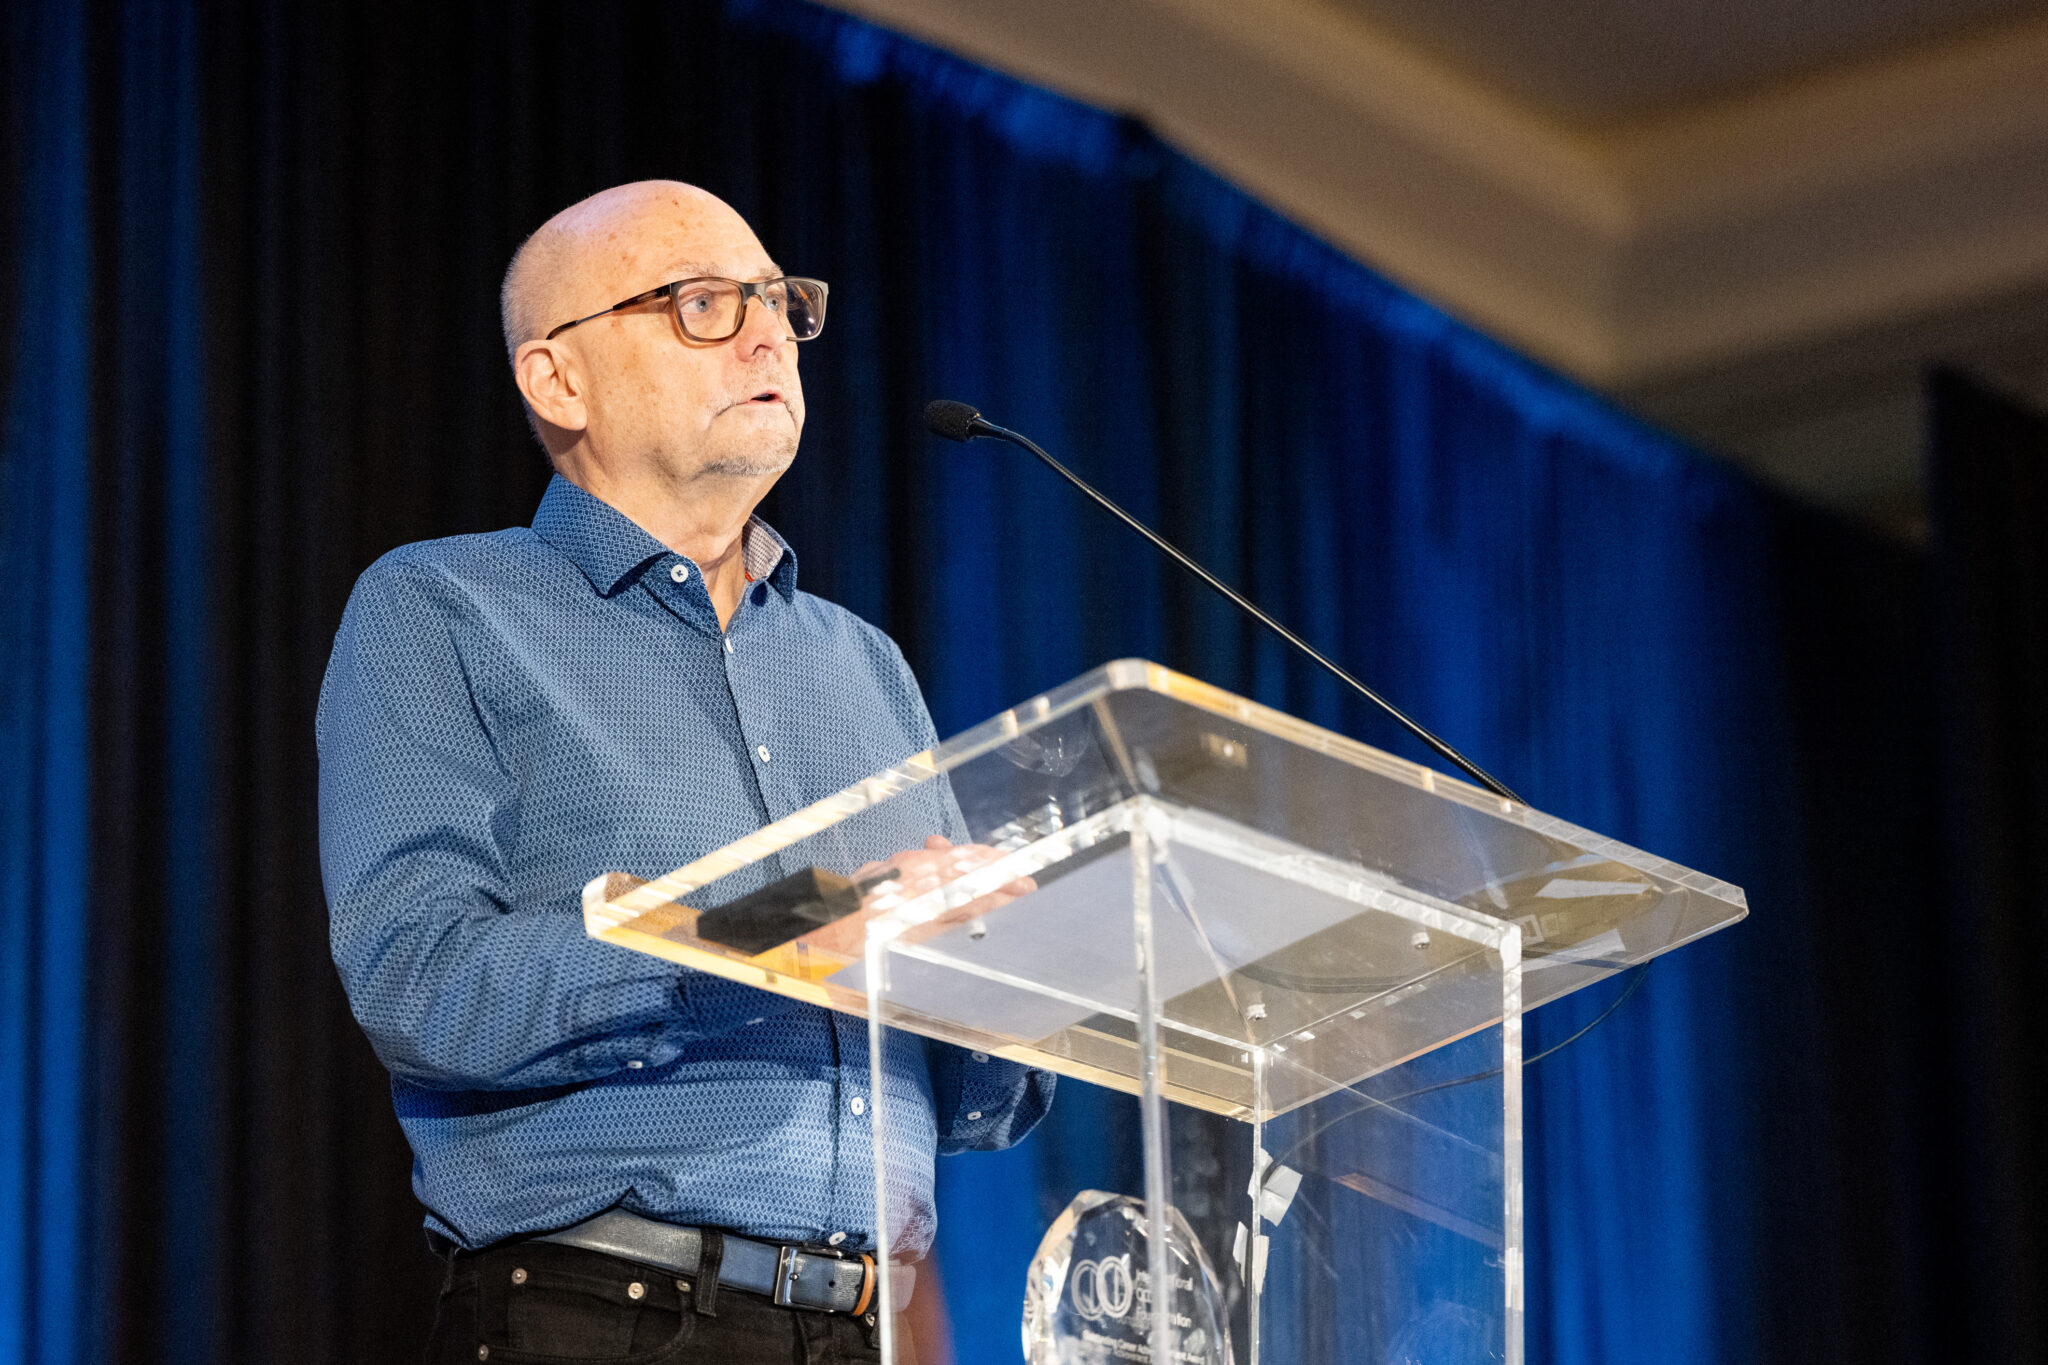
point(506, 716)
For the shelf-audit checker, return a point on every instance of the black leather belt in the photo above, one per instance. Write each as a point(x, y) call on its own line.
point(793, 1276)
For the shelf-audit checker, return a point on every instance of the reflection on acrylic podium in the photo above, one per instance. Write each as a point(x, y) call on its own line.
point(1310, 953)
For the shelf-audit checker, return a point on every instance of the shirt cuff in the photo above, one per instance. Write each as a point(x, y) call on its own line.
point(998, 1103)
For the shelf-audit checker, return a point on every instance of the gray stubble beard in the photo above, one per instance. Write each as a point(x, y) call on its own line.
point(739, 468)
point(749, 467)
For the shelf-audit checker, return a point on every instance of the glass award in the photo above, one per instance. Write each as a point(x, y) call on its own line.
point(1089, 1298)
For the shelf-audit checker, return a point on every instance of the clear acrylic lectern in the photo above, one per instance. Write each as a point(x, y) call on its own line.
point(1306, 959)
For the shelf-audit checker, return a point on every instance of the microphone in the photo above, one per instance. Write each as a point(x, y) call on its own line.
point(955, 421)
point(958, 421)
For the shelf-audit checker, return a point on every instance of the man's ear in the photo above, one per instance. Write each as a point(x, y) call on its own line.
point(547, 377)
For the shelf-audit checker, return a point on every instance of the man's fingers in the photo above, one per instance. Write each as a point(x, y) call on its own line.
point(920, 870)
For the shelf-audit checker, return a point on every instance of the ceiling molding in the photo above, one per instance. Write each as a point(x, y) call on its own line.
point(1626, 251)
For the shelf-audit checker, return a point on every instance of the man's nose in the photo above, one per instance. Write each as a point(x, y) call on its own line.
point(761, 325)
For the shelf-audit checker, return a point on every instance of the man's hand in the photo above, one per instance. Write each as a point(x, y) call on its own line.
point(917, 871)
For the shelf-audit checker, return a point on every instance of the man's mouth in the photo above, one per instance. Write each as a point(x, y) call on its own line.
point(765, 396)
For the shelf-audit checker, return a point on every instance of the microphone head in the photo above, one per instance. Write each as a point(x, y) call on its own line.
point(954, 421)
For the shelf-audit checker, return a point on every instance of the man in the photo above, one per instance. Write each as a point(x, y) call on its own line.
point(630, 683)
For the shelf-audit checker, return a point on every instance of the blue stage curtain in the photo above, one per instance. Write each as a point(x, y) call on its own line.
point(45, 691)
point(252, 255)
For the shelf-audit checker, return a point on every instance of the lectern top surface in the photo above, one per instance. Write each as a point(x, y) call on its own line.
point(1041, 736)
point(1312, 894)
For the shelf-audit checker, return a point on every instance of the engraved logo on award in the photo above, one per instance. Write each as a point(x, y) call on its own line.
point(1090, 1299)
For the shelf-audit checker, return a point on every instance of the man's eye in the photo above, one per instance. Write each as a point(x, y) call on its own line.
point(698, 304)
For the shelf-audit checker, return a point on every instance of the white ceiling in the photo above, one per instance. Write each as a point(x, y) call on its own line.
point(1757, 222)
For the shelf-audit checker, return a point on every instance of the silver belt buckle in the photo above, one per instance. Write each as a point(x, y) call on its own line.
point(785, 1275)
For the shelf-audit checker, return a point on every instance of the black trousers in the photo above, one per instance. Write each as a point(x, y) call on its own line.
point(535, 1303)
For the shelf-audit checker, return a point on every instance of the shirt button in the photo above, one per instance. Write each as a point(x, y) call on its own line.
point(762, 751)
point(728, 644)
point(835, 1239)
point(974, 1116)
point(635, 1064)
point(979, 1056)
point(860, 1106)
point(678, 573)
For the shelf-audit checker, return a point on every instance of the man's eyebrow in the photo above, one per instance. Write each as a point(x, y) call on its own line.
point(690, 270)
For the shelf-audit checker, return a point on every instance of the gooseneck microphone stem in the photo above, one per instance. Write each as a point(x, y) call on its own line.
point(959, 422)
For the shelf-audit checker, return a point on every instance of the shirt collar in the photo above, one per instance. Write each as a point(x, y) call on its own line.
point(609, 546)
point(768, 556)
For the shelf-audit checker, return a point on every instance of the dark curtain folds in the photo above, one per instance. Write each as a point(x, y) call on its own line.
point(251, 343)
point(1989, 489)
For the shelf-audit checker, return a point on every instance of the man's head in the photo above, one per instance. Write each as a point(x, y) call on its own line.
point(628, 397)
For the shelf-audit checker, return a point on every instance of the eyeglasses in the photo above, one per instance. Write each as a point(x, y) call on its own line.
point(712, 309)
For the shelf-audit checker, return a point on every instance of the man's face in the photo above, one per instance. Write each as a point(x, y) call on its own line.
point(660, 402)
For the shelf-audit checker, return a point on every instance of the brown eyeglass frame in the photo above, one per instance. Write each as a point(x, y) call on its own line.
point(749, 289)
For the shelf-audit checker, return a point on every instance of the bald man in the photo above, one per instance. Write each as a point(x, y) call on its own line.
point(620, 1158)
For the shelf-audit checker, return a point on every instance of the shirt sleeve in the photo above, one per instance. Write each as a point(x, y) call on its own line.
point(459, 986)
point(984, 1103)
point(944, 808)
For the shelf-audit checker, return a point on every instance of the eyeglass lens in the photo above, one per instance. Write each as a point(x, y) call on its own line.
point(712, 310)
